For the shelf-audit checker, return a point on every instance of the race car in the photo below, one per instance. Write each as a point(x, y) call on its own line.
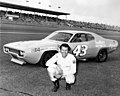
point(84, 45)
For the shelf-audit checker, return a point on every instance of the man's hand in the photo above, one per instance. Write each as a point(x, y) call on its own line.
point(59, 72)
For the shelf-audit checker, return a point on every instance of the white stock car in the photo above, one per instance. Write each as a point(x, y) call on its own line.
point(84, 45)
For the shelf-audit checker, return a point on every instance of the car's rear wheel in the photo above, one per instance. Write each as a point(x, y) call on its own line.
point(46, 56)
point(102, 55)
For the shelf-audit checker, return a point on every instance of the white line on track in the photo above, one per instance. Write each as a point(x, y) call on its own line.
point(111, 35)
point(48, 33)
point(22, 33)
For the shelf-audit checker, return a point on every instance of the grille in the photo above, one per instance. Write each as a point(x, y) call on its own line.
point(14, 56)
point(14, 51)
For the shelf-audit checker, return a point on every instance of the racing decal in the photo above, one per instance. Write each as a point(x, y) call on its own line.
point(36, 49)
point(74, 61)
point(80, 50)
point(100, 43)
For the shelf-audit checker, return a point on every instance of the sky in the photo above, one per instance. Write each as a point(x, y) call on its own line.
point(94, 11)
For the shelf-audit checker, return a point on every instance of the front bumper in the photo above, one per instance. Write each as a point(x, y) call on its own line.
point(18, 61)
point(16, 56)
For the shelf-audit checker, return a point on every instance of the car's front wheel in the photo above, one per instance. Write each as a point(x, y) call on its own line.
point(102, 55)
point(46, 56)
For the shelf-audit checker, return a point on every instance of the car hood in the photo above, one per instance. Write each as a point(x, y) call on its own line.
point(23, 45)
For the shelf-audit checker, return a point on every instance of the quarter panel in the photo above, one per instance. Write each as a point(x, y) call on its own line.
point(32, 57)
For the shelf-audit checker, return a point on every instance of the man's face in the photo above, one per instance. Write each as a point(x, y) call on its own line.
point(64, 51)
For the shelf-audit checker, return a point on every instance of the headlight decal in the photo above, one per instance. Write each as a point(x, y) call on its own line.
point(6, 49)
point(21, 53)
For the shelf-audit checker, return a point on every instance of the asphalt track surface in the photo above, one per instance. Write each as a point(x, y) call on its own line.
point(92, 78)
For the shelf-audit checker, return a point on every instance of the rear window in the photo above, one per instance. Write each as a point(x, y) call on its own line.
point(89, 37)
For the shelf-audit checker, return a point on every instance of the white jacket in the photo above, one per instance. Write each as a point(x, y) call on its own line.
point(67, 64)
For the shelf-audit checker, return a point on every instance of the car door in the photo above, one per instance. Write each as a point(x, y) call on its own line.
point(83, 45)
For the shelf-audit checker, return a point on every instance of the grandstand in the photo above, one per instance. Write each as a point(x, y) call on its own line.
point(29, 18)
point(26, 18)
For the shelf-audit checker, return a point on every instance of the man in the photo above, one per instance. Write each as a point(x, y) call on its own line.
point(62, 65)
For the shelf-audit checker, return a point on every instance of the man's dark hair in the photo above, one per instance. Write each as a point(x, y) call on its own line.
point(65, 45)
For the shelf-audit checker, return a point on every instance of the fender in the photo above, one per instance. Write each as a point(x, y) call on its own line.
point(51, 48)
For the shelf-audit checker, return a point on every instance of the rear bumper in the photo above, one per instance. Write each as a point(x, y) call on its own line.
point(110, 50)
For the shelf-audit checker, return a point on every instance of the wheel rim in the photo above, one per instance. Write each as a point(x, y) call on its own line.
point(102, 56)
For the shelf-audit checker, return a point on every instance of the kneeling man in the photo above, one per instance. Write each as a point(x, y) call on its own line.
point(62, 65)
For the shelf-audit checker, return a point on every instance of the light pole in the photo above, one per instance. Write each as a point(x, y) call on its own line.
point(39, 3)
point(27, 1)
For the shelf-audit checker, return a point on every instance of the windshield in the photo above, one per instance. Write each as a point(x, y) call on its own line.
point(60, 36)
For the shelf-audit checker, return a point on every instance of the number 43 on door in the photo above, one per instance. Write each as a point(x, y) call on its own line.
point(80, 50)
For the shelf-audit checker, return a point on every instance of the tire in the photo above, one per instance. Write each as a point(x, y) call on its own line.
point(46, 56)
point(102, 55)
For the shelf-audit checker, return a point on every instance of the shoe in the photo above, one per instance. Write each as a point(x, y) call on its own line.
point(56, 86)
point(68, 86)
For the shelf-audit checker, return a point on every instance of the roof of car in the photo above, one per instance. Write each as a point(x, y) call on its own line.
point(79, 31)
point(74, 31)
